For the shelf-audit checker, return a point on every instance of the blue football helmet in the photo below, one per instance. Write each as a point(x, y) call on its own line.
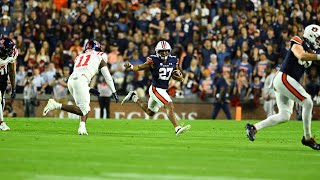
point(93, 44)
point(6, 47)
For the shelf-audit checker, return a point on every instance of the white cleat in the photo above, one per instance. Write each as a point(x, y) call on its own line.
point(82, 130)
point(128, 97)
point(183, 129)
point(51, 105)
point(4, 127)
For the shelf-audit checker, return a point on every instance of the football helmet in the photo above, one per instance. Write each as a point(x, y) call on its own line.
point(312, 36)
point(6, 47)
point(92, 44)
point(163, 50)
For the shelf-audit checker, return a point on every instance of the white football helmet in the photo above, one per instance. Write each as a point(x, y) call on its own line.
point(162, 48)
point(312, 35)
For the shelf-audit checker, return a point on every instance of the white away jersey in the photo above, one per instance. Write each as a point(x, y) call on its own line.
point(88, 63)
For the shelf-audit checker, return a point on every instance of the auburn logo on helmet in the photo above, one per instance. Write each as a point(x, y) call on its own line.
point(314, 29)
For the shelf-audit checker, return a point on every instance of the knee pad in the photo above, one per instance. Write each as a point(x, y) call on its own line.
point(307, 103)
point(285, 115)
point(85, 109)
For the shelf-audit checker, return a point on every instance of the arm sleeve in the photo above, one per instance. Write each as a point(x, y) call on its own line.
point(107, 76)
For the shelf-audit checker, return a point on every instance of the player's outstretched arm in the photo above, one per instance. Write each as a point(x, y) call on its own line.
point(107, 76)
point(12, 76)
point(302, 55)
point(144, 66)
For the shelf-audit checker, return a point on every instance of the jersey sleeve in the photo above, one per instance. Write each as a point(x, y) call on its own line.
point(103, 56)
point(149, 59)
point(296, 40)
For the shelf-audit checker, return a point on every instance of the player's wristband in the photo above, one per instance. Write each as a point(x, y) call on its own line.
point(318, 57)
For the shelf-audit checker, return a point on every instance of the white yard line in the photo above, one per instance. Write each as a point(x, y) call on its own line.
point(137, 176)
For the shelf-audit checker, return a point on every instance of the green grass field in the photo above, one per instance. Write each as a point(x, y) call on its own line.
point(148, 149)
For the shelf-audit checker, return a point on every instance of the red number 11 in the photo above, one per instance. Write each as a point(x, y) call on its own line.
point(85, 62)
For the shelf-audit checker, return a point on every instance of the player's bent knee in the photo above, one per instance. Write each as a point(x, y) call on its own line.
point(85, 109)
point(285, 116)
point(307, 103)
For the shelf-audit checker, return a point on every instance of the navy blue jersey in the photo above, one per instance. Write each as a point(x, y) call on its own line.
point(162, 70)
point(291, 65)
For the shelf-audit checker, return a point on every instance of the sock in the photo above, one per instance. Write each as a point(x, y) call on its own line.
point(82, 124)
point(273, 120)
point(177, 128)
point(306, 118)
point(135, 98)
point(1, 113)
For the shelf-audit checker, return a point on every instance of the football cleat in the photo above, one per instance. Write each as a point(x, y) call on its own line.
point(251, 131)
point(4, 127)
point(183, 129)
point(128, 97)
point(311, 143)
point(82, 130)
point(51, 105)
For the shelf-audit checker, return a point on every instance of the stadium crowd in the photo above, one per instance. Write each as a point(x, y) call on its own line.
point(241, 41)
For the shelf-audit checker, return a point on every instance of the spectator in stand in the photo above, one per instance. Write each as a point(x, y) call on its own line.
point(76, 46)
point(192, 78)
point(143, 23)
point(222, 54)
point(242, 86)
point(48, 76)
point(113, 55)
point(30, 58)
point(261, 66)
point(178, 34)
point(5, 27)
point(20, 45)
point(255, 91)
point(206, 85)
point(135, 58)
point(206, 51)
point(42, 58)
point(144, 53)
point(187, 57)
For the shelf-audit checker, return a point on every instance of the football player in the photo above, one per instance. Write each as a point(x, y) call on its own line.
point(8, 55)
point(86, 66)
point(163, 66)
point(288, 89)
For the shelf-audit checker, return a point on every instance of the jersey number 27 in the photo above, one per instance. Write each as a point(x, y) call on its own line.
point(165, 73)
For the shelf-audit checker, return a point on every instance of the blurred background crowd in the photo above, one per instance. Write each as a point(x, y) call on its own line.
point(240, 42)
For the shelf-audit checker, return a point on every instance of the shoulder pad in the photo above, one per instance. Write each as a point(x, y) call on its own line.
point(297, 40)
point(153, 56)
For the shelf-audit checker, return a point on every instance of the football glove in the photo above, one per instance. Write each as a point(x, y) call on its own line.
point(115, 96)
point(94, 92)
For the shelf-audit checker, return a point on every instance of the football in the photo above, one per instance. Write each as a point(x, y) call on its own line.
point(176, 74)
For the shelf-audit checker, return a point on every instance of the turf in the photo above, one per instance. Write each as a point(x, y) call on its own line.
point(148, 149)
